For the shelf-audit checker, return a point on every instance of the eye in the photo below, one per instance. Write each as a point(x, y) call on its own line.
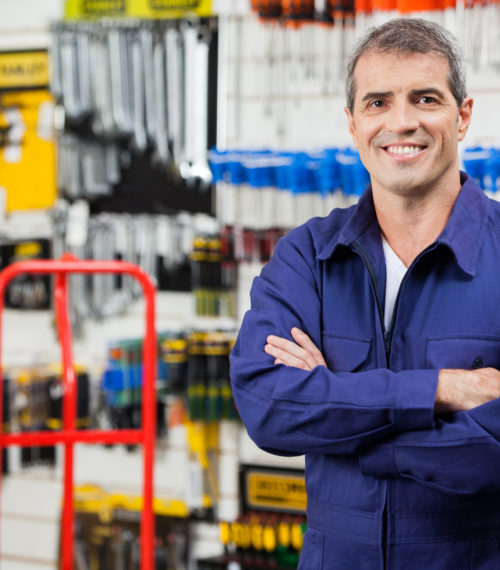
point(378, 103)
point(427, 99)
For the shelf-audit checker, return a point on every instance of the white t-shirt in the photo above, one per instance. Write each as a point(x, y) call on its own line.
point(395, 270)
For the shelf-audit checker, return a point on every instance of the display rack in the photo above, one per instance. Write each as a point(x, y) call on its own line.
point(69, 435)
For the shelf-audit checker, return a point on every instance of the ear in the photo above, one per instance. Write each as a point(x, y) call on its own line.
point(352, 128)
point(464, 117)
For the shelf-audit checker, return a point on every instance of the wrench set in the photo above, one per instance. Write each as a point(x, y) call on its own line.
point(133, 87)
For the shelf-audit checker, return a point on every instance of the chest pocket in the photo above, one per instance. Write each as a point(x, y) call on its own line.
point(344, 354)
point(464, 352)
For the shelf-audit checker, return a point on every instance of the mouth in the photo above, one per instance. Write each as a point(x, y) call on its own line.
point(404, 151)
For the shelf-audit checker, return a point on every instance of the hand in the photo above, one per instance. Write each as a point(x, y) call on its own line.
point(465, 389)
point(302, 353)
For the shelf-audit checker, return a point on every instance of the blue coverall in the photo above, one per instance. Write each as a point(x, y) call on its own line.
point(389, 485)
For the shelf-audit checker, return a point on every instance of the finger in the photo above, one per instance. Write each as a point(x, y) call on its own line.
point(293, 350)
point(310, 354)
point(285, 357)
point(303, 340)
point(286, 345)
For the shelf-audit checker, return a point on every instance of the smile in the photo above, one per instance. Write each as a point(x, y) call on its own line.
point(404, 149)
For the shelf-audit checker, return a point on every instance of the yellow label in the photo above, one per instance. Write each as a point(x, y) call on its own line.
point(99, 7)
point(276, 491)
point(21, 70)
point(174, 4)
point(28, 249)
point(94, 8)
point(87, 9)
point(169, 8)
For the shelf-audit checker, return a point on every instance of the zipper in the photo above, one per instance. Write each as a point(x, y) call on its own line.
point(387, 335)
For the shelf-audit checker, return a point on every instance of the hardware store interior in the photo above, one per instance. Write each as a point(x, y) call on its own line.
point(179, 141)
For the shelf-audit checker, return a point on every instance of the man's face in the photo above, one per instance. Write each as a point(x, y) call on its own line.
point(406, 123)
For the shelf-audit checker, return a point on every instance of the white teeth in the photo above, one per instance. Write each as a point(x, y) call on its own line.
point(403, 149)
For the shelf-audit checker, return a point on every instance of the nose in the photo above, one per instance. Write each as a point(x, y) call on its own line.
point(403, 117)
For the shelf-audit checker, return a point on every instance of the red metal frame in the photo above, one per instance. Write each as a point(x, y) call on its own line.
point(68, 436)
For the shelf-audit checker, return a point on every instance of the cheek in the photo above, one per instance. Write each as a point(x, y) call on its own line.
point(367, 135)
point(445, 129)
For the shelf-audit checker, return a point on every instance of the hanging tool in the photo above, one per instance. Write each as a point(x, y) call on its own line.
point(160, 91)
point(139, 93)
point(146, 40)
point(175, 89)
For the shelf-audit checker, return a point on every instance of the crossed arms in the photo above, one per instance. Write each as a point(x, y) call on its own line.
point(457, 390)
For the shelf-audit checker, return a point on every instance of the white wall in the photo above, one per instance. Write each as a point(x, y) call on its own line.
point(24, 23)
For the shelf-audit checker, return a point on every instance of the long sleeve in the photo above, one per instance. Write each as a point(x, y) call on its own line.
point(461, 455)
point(291, 411)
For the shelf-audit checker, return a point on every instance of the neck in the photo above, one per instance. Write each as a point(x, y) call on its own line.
point(412, 223)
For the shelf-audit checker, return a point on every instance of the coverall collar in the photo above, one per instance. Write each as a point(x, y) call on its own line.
point(463, 234)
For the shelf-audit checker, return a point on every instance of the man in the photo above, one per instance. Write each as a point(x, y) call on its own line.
point(373, 341)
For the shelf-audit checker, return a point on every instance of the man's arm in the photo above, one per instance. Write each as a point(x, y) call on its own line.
point(459, 455)
point(457, 390)
point(289, 410)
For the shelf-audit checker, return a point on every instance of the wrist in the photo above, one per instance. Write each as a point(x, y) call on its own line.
point(447, 392)
point(451, 390)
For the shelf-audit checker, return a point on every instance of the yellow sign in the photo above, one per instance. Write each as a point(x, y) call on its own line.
point(24, 70)
point(27, 150)
point(85, 9)
point(276, 491)
point(27, 250)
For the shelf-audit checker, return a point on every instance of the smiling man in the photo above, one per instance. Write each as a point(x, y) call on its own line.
point(373, 341)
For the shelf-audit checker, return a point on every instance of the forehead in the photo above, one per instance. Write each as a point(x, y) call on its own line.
point(395, 71)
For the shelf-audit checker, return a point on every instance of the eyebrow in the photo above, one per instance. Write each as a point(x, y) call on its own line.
point(432, 90)
point(413, 93)
point(377, 95)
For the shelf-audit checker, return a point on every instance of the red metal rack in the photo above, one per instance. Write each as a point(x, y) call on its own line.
point(69, 435)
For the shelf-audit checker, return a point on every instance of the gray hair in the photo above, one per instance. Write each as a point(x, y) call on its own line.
point(410, 35)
